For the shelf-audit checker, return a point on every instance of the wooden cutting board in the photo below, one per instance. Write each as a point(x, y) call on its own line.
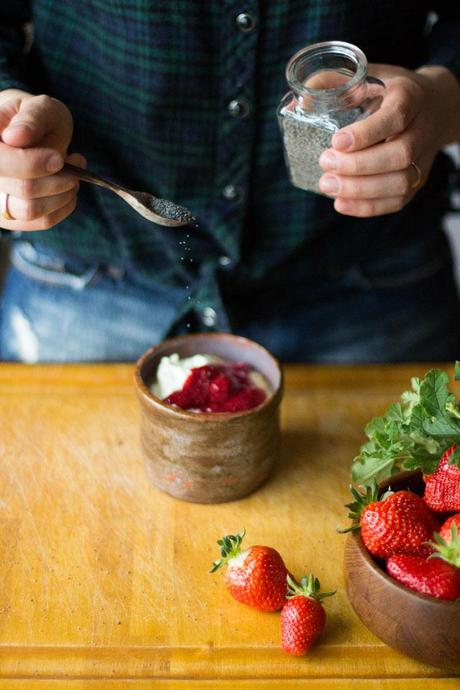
point(104, 580)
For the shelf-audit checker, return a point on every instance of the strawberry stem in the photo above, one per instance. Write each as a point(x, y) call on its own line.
point(448, 551)
point(356, 507)
point(309, 587)
point(230, 546)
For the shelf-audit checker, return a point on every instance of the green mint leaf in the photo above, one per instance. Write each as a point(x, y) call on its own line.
point(412, 433)
point(455, 458)
point(453, 409)
point(457, 371)
point(421, 460)
point(365, 469)
point(434, 393)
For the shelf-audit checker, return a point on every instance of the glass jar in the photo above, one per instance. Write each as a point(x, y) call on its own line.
point(330, 89)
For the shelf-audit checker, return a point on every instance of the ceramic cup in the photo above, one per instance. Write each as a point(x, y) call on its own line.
point(209, 457)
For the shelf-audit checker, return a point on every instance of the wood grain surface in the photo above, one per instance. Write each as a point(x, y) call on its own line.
point(104, 580)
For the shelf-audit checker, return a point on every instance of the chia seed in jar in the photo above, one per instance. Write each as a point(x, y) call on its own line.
point(330, 90)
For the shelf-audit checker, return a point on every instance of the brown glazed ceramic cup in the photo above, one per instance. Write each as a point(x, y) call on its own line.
point(209, 457)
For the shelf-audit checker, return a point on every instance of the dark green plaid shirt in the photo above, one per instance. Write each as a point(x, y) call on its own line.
point(179, 98)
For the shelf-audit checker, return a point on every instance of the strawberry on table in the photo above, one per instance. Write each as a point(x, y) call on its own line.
point(303, 617)
point(398, 523)
point(442, 488)
point(256, 576)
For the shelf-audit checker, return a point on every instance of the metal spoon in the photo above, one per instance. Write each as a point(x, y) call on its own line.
point(151, 207)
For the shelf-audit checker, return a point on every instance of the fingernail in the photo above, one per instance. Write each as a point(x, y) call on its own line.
point(329, 184)
point(342, 140)
point(328, 160)
point(54, 163)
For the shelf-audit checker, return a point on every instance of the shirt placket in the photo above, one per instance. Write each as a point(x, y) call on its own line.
point(235, 137)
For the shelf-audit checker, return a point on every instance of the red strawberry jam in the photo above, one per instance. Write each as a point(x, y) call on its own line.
point(218, 388)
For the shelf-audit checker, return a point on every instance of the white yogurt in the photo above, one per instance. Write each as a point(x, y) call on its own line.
point(172, 373)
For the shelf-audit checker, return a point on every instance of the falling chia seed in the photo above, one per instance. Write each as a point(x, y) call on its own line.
point(305, 137)
point(184, 246)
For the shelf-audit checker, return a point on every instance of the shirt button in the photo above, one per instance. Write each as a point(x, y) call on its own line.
point(231, 192)
point(245, 22)
point(209, 316)
point(224, 261)
point(238, 108)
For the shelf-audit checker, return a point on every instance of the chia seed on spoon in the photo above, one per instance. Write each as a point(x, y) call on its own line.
point(170, 210)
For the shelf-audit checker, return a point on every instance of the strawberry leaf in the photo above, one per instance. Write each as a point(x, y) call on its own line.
point(448, 550)
point(230, 546)
point(308, 586)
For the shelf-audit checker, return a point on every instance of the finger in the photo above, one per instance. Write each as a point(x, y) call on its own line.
point(40, 187)
point(8, 110)
point(37, 117)
point(31, 209)
point(43, 186)
point(382, 158)
point(77, 159)
point(43, 223)
point(28, 163)
point(398, 110)
point(367, 208)
point(392, 184)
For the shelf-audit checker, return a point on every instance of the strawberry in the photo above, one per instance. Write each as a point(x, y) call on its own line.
point(442, 488)
point(446, 527)
point(256, 576)
point(303, 617)
point(433, 577)
point(398, 523)
point(439, 574)
point(447, 544)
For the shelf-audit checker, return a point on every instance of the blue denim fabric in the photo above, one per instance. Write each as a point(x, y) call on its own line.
point(58, 311)
point(400, 308)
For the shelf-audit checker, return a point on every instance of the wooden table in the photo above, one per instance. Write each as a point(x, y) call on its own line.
point(104, 580)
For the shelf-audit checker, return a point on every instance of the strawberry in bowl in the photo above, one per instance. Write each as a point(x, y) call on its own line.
point(409, 600)
point(402, 562)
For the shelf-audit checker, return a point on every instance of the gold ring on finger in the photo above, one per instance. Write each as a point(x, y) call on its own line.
point(416, 183)
point(4, 207)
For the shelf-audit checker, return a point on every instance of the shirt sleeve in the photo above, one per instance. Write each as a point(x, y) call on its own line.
point(444, 37)
point(13, 17)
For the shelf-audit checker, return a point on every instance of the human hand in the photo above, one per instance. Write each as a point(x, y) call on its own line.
point(35, 133)
point(379, 163)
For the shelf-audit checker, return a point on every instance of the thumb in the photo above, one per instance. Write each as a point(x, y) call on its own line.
point(34, 118)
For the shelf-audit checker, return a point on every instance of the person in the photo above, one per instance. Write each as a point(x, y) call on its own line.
point(179, 99)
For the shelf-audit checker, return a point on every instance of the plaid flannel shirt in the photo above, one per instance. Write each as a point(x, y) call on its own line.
point(179, 98)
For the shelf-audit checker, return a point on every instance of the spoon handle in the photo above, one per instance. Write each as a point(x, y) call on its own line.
point(88, 176)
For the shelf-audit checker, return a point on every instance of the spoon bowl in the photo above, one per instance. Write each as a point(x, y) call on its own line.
point(160, 211)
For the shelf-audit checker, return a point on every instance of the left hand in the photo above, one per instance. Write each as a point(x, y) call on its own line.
point(371, 161)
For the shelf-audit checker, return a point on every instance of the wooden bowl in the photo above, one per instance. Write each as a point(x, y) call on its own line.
point(209, 457)
point(422, 627)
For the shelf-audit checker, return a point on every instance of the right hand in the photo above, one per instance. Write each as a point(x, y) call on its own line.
point(35, 133)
